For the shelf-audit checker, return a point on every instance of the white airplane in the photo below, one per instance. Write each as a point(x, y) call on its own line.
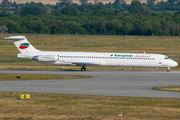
point(84, 59)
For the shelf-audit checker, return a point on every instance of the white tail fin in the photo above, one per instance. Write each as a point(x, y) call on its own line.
point(22, 44)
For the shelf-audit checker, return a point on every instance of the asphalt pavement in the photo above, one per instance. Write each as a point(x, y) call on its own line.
point(103, 82)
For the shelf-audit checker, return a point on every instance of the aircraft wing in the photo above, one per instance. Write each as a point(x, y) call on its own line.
point(86, 63)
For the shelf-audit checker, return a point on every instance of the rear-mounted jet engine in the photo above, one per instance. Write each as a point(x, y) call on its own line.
point(45, 58)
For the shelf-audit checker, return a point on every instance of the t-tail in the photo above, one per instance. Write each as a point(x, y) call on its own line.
point(22, 44)
point(26, 49)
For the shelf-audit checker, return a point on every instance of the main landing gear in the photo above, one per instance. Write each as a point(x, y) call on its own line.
point(83, 69)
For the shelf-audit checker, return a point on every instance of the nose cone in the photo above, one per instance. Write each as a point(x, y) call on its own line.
point(174, 63)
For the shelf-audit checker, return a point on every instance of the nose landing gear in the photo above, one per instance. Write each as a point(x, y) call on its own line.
point(83, 69)
point(168, 70)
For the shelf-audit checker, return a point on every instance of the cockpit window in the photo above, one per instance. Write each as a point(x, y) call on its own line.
point(166, 57)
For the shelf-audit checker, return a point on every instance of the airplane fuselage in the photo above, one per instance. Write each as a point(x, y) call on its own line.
point(105, 59)
point(84, 59)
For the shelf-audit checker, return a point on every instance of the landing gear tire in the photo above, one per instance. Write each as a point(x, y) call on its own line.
point(168, 70)
point(83, 69)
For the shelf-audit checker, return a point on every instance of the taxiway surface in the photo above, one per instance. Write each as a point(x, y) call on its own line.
point(113, 83)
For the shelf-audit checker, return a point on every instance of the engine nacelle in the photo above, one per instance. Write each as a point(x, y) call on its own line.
point(46, 58)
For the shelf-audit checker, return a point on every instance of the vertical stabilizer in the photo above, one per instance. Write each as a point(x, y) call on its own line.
point(22, 44)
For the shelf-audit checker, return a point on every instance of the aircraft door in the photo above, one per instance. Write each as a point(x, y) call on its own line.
point(160, 61)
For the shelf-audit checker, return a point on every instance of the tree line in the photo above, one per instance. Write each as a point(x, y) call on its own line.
point(94, 19)
point(153, 5)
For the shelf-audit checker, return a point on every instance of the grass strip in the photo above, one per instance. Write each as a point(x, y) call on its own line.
point(43, 106)
point(170, 88)
point(8, 76)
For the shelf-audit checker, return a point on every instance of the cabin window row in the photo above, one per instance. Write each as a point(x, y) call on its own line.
point(106, 57)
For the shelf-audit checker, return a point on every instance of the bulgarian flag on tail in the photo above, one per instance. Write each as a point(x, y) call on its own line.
point(24, 45)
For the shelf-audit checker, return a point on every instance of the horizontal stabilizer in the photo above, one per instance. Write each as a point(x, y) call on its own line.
point(15, 37)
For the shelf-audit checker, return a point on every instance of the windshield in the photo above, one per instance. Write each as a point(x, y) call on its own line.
point(166, 57)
